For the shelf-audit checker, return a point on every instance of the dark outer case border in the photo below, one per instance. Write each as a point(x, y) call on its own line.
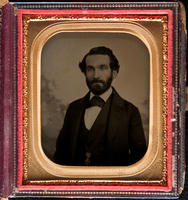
point(8, 112)
point(8, 98)
point(1, 111)
point(182, 103)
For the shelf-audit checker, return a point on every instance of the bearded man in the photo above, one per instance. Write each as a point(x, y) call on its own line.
point(100, 129)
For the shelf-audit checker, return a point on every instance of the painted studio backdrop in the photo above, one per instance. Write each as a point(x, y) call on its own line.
point(63, 82)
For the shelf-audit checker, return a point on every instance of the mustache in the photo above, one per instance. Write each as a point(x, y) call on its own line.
point(97, 81)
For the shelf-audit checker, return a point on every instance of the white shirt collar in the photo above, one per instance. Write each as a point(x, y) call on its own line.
point(105, 95)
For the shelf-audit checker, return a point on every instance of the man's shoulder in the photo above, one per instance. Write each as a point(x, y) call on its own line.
point(122, 101)
point(76, 102)
point(129, 104)
point(79, 101)
point(125, 105)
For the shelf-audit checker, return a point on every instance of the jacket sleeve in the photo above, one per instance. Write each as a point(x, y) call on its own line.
point(63, 153)
point(136, 136)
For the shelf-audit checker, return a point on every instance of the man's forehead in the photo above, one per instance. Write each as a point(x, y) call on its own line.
point(97, 59)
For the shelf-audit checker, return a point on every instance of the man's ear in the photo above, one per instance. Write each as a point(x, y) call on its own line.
point(114, 74)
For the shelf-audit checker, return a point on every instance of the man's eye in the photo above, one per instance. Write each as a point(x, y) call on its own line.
point(103, 67)
point(89, 69)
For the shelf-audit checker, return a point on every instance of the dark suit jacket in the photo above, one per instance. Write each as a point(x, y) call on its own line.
point(125, 140)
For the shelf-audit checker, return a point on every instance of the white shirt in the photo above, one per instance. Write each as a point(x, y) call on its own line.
point(92, 112)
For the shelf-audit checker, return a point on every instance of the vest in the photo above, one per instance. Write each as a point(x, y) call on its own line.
point(92, 145)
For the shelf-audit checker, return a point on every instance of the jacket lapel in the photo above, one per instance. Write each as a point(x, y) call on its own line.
point(76, 121)
point(116, 118)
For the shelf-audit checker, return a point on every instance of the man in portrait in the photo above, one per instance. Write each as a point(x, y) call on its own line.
point(100, 129)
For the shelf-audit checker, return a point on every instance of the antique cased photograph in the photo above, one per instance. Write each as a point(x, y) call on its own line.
point(96, 103)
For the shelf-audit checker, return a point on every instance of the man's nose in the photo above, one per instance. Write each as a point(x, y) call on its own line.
point(97, 73)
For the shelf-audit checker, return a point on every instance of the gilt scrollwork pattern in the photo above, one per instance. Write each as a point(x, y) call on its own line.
point(164, 116)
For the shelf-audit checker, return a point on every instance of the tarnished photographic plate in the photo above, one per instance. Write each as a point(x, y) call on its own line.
point(42, 45)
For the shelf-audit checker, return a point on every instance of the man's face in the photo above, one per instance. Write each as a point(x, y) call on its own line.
point(98, 73)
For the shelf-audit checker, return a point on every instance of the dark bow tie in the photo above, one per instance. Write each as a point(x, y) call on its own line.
point(96, 101)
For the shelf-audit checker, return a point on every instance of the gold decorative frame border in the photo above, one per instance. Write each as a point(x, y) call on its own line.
point(26, 86)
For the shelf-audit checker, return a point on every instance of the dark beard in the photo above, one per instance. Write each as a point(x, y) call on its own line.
point(98, 89)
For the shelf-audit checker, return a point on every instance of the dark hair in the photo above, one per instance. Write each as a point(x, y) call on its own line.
point(114, 64)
